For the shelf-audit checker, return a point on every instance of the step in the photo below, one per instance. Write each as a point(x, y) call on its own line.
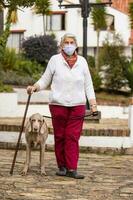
point(92, 129)
point(8, 140)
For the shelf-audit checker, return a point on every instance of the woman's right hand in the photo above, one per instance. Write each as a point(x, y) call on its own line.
point(31, 89)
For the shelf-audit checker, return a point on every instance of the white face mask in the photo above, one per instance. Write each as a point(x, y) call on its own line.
point(69, 49)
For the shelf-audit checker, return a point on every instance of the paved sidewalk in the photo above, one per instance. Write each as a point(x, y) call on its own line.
point(106, 178)
point(39, 97)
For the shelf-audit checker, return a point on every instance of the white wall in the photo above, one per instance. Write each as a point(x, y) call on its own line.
point(33, 25)
point(30, 22)
point(120, 112)
point(9, 107)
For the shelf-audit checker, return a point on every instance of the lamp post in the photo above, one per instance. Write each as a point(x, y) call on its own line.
point(85, 6)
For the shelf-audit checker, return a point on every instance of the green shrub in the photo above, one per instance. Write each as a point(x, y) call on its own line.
point(9, 59)
point(112, 57)
point(27, 67)
point(5, 88)
point(96, 80)
point(13, 78)
point(40, 48)
point(16, 70)
point(91, 61)
point(129, 75)
point(94, 73)
point(13, 61)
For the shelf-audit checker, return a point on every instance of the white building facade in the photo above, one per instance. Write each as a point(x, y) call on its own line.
point(68, 20)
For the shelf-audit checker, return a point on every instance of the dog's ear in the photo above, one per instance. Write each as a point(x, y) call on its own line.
point(44, 127)
point(28, 126)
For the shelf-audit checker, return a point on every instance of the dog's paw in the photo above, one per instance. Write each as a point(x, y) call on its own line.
point(23, 173)
point(43, 173)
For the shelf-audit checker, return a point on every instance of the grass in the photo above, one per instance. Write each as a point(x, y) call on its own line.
point(112, 98)
point(5, 88)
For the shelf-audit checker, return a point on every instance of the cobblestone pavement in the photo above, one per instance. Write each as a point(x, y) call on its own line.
point(106, 178)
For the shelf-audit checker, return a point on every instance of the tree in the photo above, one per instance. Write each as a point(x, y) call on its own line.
point(129, 76)
point(98, 15)
point(131, 13)
point(12, 6)
point(1, 20)
point(40, 48)
point(130, 9)
point(94, 73)
point(115, 64)
point(42, 7)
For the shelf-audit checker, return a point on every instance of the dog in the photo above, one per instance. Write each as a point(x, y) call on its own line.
point(36, 133)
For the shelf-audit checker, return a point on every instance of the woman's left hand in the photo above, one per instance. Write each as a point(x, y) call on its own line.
point(94, 110)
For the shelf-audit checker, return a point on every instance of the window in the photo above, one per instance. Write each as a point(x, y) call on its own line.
point(109, 23)
point(55, 21)
point(15, 39)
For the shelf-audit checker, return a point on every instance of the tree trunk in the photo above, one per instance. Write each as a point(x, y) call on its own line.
point(1, 21)
point(97, 50)
point(4, 36)
point(44, 32)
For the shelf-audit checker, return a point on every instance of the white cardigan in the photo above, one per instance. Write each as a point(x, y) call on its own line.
point(69, 86)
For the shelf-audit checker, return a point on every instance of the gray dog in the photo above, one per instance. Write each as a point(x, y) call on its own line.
point(36, 132)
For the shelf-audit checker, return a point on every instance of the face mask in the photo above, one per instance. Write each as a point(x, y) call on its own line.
point(69, 49)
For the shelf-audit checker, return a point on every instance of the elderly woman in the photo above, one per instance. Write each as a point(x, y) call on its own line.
point(71, 83)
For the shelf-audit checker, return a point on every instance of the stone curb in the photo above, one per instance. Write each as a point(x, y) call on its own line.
point(85, 132)
point(95, 150)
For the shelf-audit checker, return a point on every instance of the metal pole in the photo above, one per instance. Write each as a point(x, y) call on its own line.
point(85, 47)
point(85, 14)
point(85, 37)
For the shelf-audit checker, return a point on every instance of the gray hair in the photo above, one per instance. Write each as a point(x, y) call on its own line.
point(68, 35)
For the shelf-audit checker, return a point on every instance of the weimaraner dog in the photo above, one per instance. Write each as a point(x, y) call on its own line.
point(36, 132)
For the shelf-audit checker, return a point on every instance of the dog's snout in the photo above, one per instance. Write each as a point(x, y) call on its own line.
point(35, 125)
point(35, 129)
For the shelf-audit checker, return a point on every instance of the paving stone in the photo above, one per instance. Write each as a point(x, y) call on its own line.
point(106, 178)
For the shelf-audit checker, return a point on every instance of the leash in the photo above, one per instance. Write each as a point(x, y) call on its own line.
point(93, 114)
point(20, 134)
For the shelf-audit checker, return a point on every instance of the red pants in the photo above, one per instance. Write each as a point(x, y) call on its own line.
point(67, 133)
